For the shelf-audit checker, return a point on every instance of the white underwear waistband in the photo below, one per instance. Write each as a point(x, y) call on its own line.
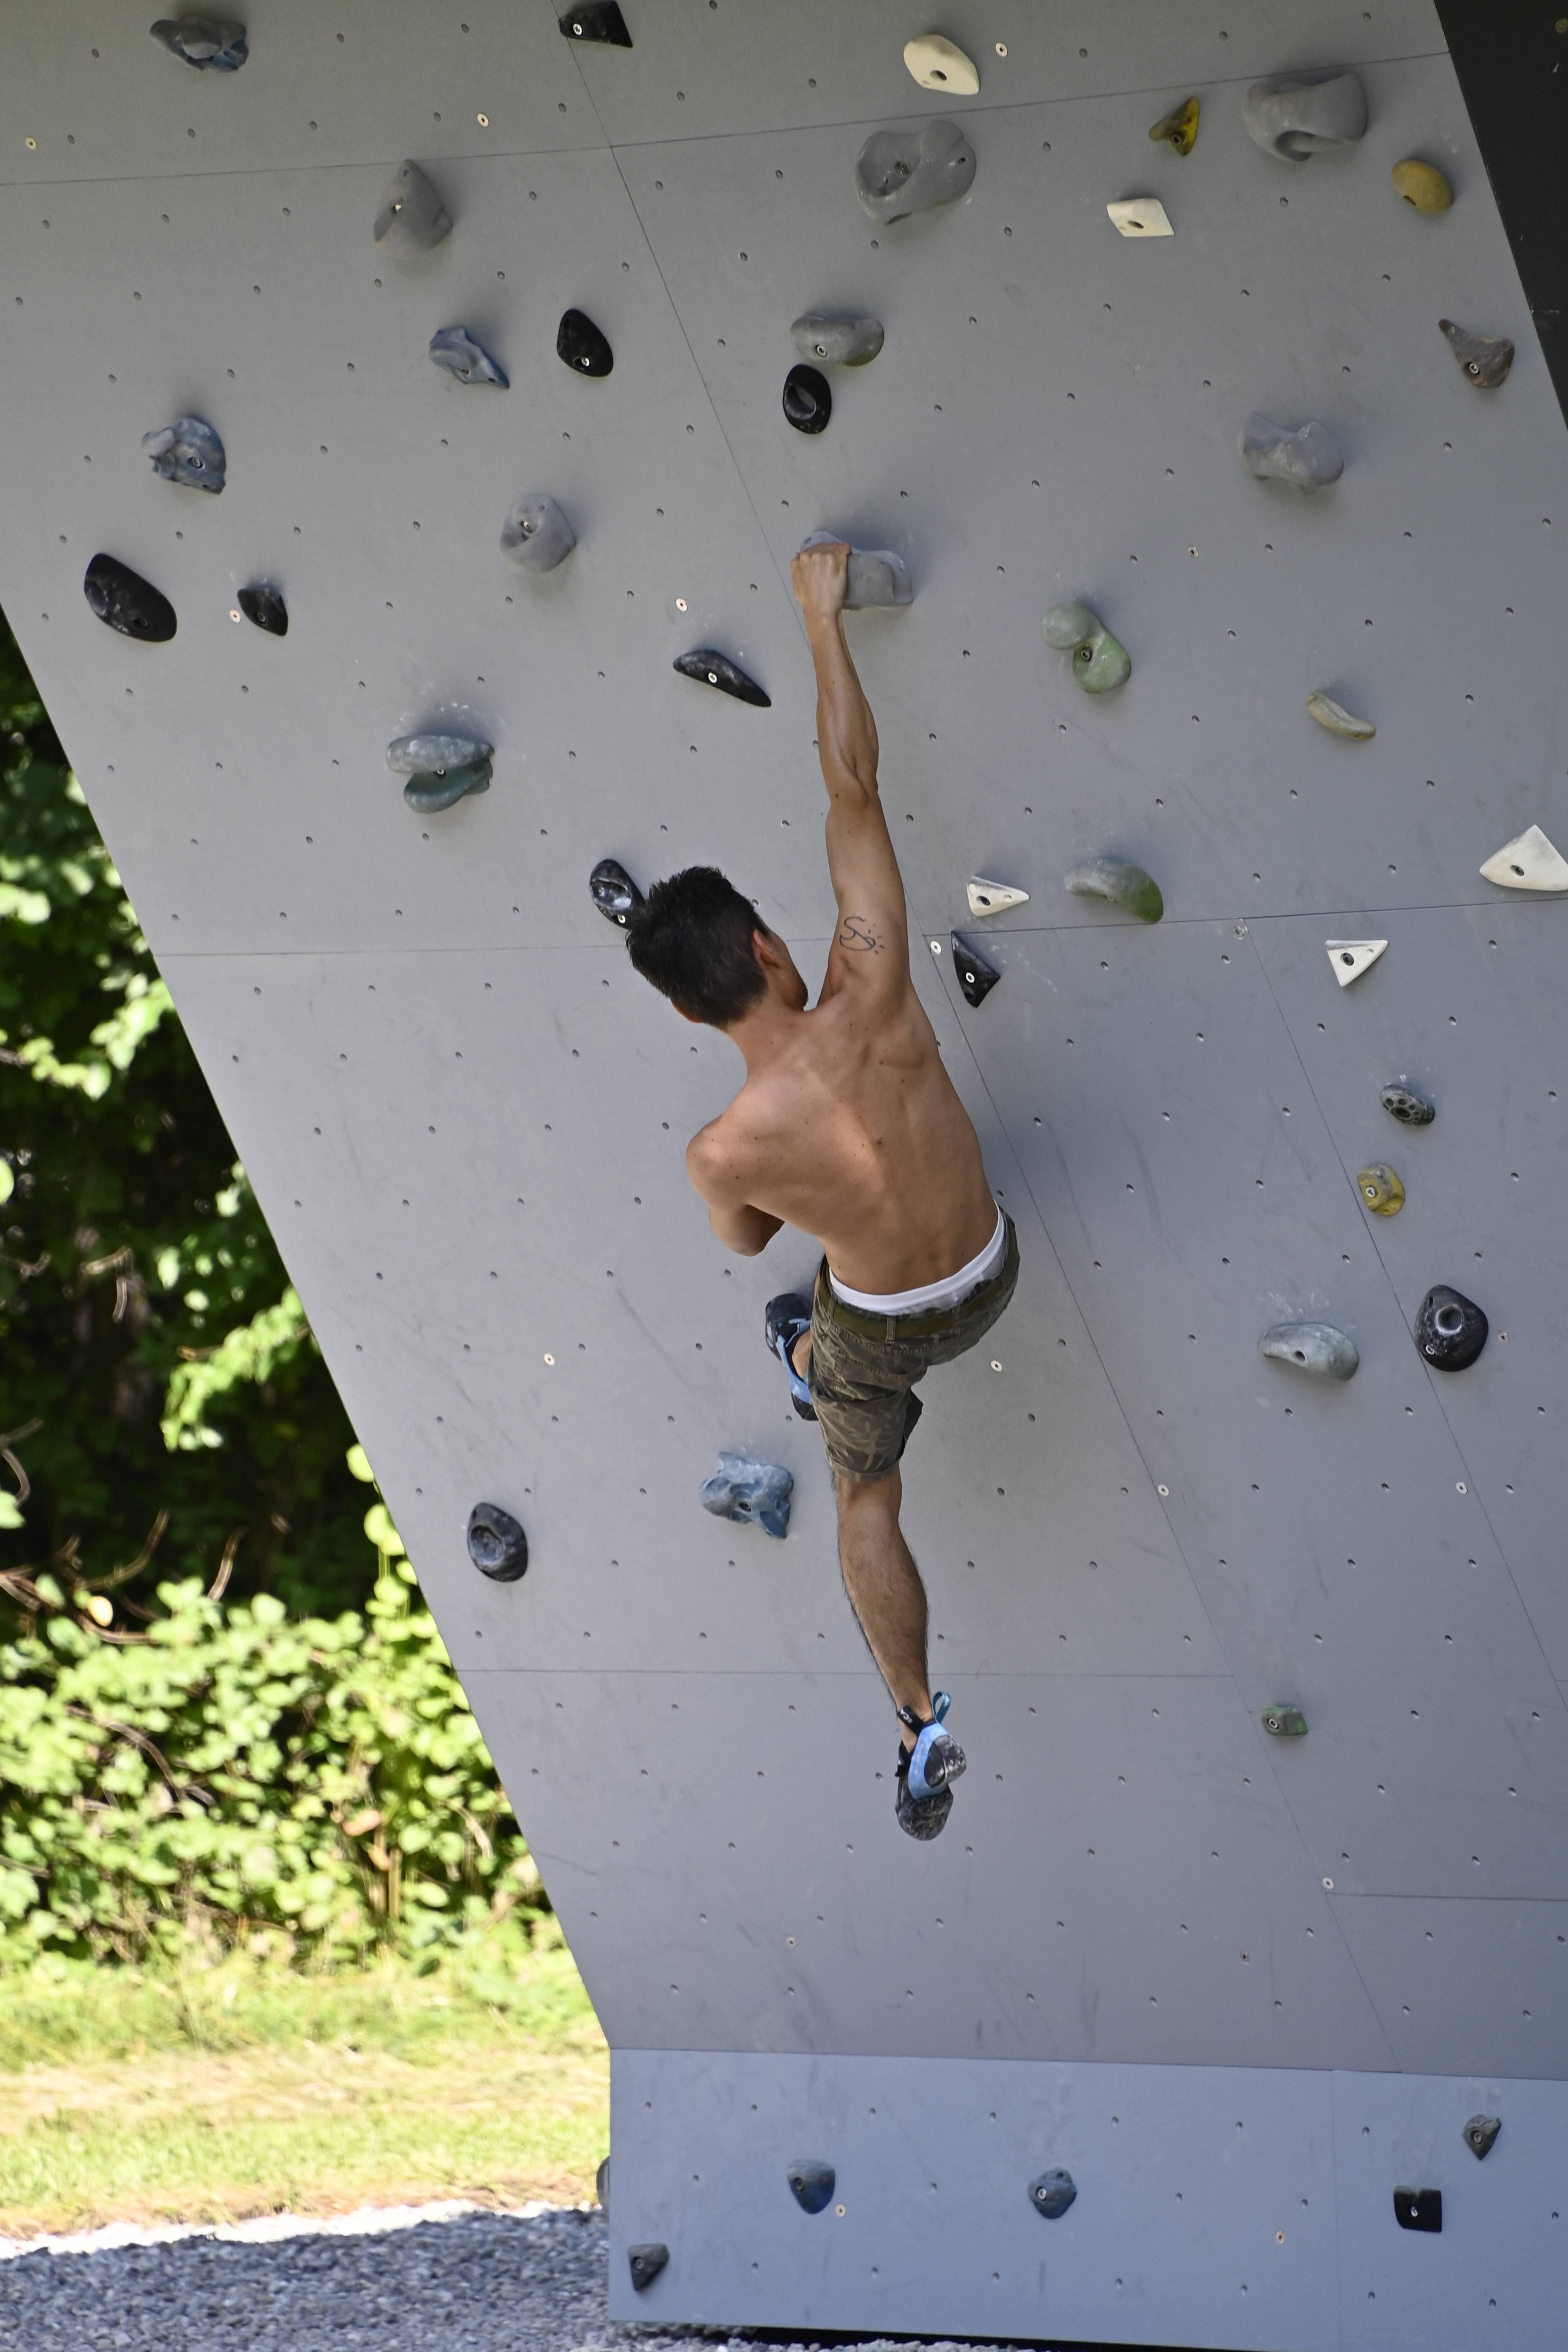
point(933, 1297)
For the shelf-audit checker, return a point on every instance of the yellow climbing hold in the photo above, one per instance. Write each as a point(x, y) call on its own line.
point(1338, 719)
point(1423, 185)
point(1179, 128)
point(1381, 1190)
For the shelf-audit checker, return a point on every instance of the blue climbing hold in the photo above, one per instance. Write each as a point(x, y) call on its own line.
point(454, 348)
point(187, 451)
point(212, 44)
point(741, 1488)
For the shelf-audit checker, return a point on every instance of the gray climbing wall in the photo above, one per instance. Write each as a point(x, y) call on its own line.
point(1242, 1988)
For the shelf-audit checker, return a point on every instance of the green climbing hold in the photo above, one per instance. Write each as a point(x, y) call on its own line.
point(1124, 884)
point(1100, 662)
point(1285, 1722)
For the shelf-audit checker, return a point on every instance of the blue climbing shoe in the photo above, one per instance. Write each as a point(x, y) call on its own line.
point(783, 1319)
point(927, 1771)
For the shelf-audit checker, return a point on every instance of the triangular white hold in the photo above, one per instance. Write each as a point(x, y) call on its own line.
point(1141, 216)
point(1350, 958)
point(1530, 863)
point(993, 897)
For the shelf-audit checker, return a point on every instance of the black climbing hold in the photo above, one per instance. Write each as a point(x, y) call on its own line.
point(975, 976)
point(599, 20)
point(811, 2183)
point(1052, 2193)
point(1450, 1330)
point(716, 669)
point(266, 607)
point(615, 895)
point(127, 601)
point(582, 345)
point(1419, 2208)
point(646, 2262)
point(602, 2186)
point(497, 1545)
point(807, 402)
point(1481, 2132)
point(213, 44)
point(1410, 1109)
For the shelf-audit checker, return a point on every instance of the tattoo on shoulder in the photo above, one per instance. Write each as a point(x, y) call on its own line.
point(857, 935)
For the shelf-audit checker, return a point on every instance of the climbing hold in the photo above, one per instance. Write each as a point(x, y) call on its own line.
point(994, 898)
point(127, 601)
point(213, 43)
point(1316, 1348)
point(646, 2263)
point(1050, 2193)
point(412, 219)
point(1485, 359)
point(496, 1544)
point(741, 1488)
point(454, 348)
point(807, 402)
point(1309, 458)
point(939, 64)
point(901, 172)
point(1338, 719)
point(1481, 2132)
point(1409, 1109)
point(1350, 958)
point(716, 669)
point(1284, 1722)
point(1124, 884)
point(876, 575)
point(582, 345)
point(1423, 185)
point(1140, 217)
point(536, 535)
point(1419, 2208)
point(1293, 115)
point(842, 342)
point(440, 769)
point(1180, 127)
point(812, 2184)
point(1528, 862)
point(1381, 1190)
point(975, 976)
point(188, 451)
point(1099, 660)
point(602, 2186)
point(1450, 1330)
point(266, 607)
point(615, 893)
point(598, 20)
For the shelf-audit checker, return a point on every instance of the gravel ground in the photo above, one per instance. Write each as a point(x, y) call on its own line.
point(467, 2281)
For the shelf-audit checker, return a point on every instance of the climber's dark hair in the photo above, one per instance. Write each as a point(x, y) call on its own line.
point(692, 939)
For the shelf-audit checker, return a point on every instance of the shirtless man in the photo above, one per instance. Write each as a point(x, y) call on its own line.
point(849, 1127)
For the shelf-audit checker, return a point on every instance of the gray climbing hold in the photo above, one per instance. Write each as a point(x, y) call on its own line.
point(212, 43)
point(440, 769)
point(413, 219)
point(1099, 660)
point(977, 977)
point(1409, 1109)
point(1419, 2208)
point(265, 607)
point(646, 2263)
point(602, 2186)
point(536, 535)
point(454, 348)
point(124, 600)
point(1316, 1348)
point(1050, 2193)
point(1481, 2132)
point(710, 668)
point(189, 452)
point(1119, 881)
point(496, 1544)
point(807, 399)
point(1485, 359)
point(875, 576)
point(901, 172)
point(741, 1488)
point(811, 2184)
point(598, 20)
point(841, 342)
point(1284, 1723)
point(1308, 458)
point(1295, 115)
point(582, 346)
point(613, 892)
point(1450, 1330)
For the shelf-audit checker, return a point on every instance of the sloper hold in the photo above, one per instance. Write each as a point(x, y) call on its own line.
point(496, 1544)
point(1140, 217)
point(598, 20)
point(126, 601)
point(710, 669)
point(1294, 115)
point(536, 535)
point(1479, 2132)
point(901, 172)
point(1338, 719)
point(1050, 2193)
point(454, 348)
point(646, 2263)
point(841, 342)
point(807, 399)
point(811, 2184)
point(1381, 1190)
point(584, 347)
point(214, 44)
point(615, 893)
point(1422, 184)
point(1179, 128)
point(1450, 1330)
point(1419, 2208)
point(1284, 1722)
point(1528, 862)
point(1409, 1109)
point(1350, 958)
point(741, 1488)
point(1100, 661)
point(413, 219)
point(877, 576)
point(188, 452)
point(1485, 359)
point(975, 976)
point(440, 769)
point(994, 898)
point(938, 63)
point(1317, 1348)
point(265, 607)
point(1308, 458)
point(1119, 881)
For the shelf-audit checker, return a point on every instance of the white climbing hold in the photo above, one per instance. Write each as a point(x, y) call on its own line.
point(1141, 216)
point(993, 897)
point(1338, 719)
point(1350, 958)
point(939, 64)
point(1529, 863)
